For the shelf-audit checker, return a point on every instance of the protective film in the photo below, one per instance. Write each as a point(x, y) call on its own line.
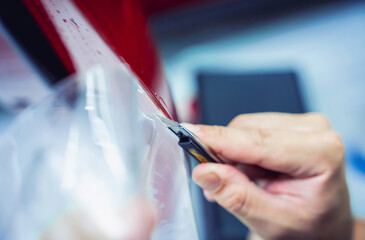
point(92, 161)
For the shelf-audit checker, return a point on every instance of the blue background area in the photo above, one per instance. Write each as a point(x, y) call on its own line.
point(324, 46)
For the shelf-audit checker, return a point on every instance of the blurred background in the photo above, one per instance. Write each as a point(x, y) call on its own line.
point(226, 57)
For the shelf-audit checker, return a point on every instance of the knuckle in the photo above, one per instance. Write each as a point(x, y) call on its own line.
point(335, 147)
point(219, 131)
point(238, 120)
point(334, 143)
point(261, 137)
point(235, 201)
point(319, 119)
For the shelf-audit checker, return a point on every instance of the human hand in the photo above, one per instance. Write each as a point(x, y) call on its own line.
point(308, 198)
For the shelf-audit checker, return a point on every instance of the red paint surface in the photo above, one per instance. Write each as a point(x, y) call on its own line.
point(123, 25)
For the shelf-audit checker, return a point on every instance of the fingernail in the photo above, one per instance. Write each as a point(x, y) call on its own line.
point(191, 127)
point(208, 181)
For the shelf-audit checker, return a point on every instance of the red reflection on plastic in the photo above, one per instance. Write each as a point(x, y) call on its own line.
point(124, 26)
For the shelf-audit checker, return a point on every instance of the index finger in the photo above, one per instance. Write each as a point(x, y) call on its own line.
point(272, 120)
point(299, 154)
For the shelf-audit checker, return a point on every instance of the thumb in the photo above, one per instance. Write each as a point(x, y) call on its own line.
point(232, 189)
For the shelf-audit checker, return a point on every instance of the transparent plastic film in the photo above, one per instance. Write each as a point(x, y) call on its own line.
point(92, 161)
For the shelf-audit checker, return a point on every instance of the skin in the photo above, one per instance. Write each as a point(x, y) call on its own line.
point(285, 178)
point(359, 230)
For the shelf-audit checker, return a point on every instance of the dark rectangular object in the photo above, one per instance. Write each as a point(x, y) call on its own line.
point(223, 96)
